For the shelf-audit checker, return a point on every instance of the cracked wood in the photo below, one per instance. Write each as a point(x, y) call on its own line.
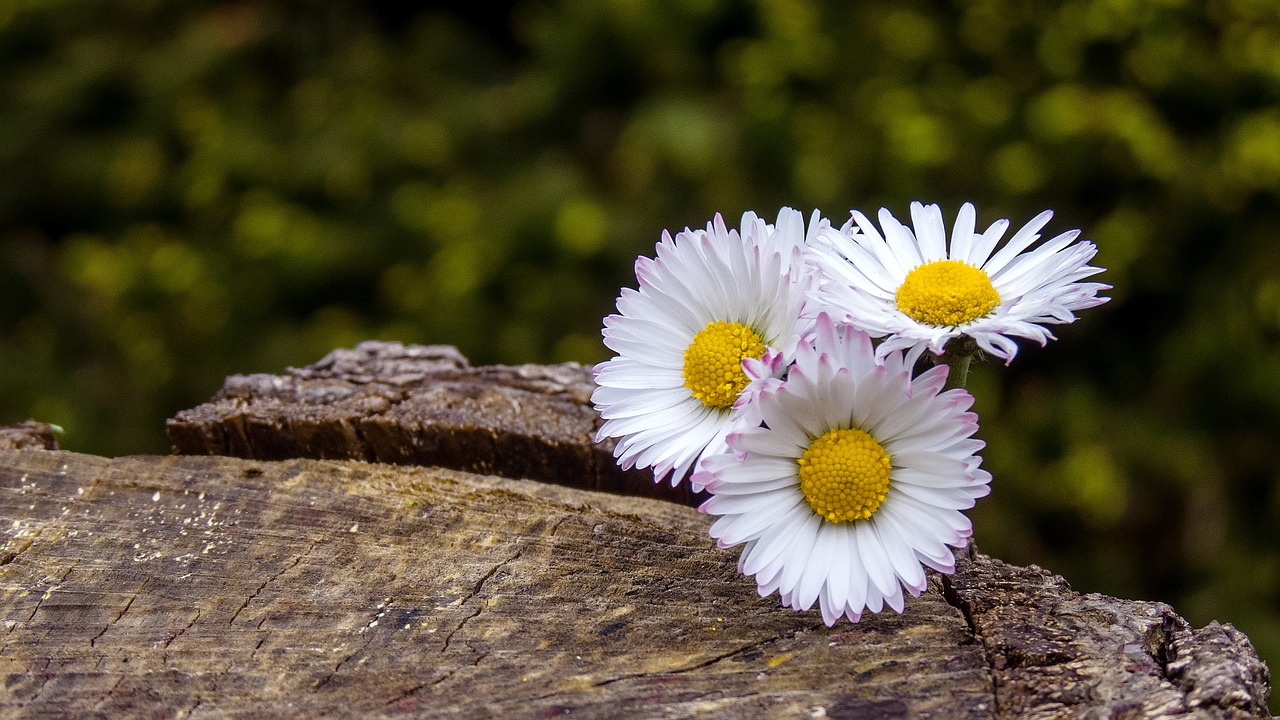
point(305, 588)
point(207, 587)
point(419, 405)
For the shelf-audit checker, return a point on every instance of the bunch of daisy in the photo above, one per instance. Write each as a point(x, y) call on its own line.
point(774, 367)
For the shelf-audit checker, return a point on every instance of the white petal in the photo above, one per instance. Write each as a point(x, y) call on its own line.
point(931, 231)
point(900, 552)
point(817, 567)
point(759, 502)
point(741, 528)
point(843, 556)
point(986, 242)
point(901, 240)
point(874, 559)
point(798, 553)
point(1020, 241)
point(775, 541)
point(962, 233)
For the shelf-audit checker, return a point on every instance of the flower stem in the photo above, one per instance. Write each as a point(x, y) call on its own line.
point(958, 355)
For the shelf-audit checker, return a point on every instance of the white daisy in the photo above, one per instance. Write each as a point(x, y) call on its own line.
point(710, 299)
point(854, 484)
point(917, 293)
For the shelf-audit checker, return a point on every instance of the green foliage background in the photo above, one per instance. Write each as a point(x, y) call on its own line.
point(195, 189)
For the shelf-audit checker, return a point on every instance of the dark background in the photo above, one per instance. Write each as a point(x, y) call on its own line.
point(190, 190)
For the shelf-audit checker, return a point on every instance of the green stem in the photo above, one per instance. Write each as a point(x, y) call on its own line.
point(958, 355)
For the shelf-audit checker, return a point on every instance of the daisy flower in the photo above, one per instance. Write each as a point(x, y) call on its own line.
point(918, 293)
point(709, 300)
point(855, 483)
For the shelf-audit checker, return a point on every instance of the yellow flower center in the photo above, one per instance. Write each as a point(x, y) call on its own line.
point(844, 475)
point(713, 362)
point(944, 293)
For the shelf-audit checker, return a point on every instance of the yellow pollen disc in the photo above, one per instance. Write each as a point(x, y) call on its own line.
point(713, 362)
point(844, 475)
point(944, 293)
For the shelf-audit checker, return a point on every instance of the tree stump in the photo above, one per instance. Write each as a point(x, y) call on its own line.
point(206, 586)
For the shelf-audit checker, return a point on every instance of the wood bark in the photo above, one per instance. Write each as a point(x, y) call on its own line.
point(210, 587)
point(419, 405)
point(29, 435)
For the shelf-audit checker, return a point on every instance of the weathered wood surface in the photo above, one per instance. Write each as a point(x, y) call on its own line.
point(201, 587)
point(263, 586)
point(29, 435)
point(419, 405)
